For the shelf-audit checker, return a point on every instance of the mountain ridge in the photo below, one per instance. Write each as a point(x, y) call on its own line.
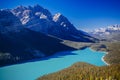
point(39, 19)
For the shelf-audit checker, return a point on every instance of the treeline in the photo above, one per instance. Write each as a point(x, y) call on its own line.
point(84, 71)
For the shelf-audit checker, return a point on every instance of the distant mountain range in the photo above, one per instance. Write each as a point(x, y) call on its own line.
point(111, 33)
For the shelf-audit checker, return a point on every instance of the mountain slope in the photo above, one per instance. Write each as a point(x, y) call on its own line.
point(39, 19)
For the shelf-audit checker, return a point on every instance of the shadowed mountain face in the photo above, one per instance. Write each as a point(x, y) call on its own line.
point(39, 19)
point(18, 44)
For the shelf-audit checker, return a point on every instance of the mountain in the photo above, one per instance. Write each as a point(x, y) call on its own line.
point(19, 44)
point(39, 19)
point(110, 33)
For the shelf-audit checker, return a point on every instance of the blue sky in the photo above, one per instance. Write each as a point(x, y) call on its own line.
point(84, 14)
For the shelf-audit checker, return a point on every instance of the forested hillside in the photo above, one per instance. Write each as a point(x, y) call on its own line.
point(84, 71)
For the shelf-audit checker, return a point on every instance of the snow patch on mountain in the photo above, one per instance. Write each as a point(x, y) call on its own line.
point(56, 17)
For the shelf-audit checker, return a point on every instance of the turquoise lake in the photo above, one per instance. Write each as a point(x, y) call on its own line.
point(59, 61)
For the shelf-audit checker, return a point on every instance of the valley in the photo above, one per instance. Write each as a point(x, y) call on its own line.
point(36, 44)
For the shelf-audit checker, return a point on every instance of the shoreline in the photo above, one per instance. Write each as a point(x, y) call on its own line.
point(39, 59)
point(102, 57)
point(104, 60)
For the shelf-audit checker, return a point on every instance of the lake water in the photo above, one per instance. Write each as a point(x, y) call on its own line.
point(59, 61)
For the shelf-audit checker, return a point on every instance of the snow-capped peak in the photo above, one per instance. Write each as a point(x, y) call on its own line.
point(114, 27)
point(100, 30)
point(31, 13)
point(56, 17)
point(108, 28)
point(106, 31)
